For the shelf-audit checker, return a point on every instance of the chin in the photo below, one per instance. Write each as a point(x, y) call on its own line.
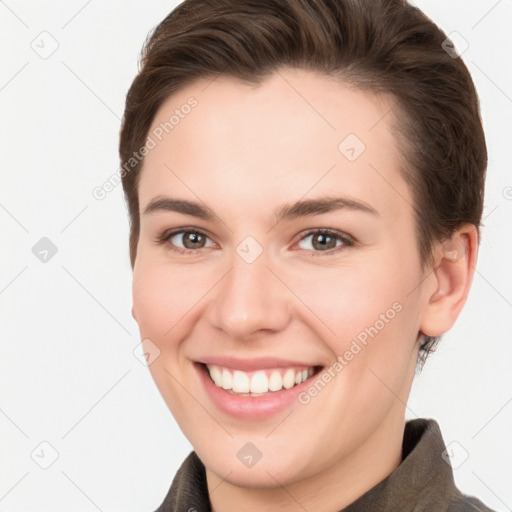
point(272, 470)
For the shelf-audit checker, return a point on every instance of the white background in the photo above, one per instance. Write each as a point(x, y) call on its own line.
point(68, 373)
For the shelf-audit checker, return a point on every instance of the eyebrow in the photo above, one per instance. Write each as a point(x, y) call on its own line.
point(289, 211)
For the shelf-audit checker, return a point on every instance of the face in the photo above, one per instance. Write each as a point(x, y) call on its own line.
point(270, 292)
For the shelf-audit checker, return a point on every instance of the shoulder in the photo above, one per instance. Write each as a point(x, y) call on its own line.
point(464, 503)
point(188, 491)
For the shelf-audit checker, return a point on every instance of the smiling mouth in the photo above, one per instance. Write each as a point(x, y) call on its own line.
point(260, 382)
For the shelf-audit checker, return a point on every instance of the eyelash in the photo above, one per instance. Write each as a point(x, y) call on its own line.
point(347, 240)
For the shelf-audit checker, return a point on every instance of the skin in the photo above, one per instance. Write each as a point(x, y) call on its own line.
point(245, 151)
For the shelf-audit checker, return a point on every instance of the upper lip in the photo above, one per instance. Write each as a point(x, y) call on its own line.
point(253, 364)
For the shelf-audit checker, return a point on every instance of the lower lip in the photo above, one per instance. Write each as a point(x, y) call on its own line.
point(246, 407)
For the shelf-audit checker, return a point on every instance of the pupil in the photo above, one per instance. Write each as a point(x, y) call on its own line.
point(323, 239)
point(194, 237)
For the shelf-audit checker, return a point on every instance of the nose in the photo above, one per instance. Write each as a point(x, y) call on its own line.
point(250, 299)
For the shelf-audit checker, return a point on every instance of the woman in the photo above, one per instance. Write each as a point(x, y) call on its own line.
point(305, 186)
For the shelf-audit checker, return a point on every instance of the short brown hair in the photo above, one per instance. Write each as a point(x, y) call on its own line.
point(385, 46)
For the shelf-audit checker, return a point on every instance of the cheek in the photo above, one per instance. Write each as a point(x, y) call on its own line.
point(367, 313)
point(162, 297)
point(347, 298)
point(163, 301)
point(377, 335)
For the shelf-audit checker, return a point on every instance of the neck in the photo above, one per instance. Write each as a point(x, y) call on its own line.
point(340, 484)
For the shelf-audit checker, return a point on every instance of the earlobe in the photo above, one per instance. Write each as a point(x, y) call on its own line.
point(453, 275)
point(133, 313)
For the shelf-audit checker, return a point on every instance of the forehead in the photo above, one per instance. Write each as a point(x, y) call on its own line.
point(295, 133)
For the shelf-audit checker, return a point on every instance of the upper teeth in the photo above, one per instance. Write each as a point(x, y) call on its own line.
point(260, 381)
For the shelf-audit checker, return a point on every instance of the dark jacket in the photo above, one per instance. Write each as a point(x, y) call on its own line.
point(423, 482)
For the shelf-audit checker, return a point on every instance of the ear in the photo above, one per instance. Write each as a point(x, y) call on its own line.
point(133, 313)
point(455, 261)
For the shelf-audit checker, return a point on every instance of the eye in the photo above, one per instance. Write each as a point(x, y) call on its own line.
point(192, 239)
point(326, 241)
